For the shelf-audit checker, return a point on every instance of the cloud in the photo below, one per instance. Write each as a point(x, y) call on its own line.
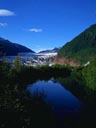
point(4, 12)
point(3, 24)
point(35, 30)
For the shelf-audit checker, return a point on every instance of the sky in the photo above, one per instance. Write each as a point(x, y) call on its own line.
point(45, 24)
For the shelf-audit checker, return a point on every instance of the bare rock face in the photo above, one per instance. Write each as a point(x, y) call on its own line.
point(64, 61)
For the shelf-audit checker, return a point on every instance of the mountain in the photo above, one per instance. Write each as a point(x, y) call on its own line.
point(82, 48)
point(55, 50)
point(9, 49)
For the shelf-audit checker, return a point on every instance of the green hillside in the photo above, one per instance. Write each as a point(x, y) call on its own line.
point(82, 48)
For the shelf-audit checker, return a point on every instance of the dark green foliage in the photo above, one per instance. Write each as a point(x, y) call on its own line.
point(17, 109)
point(28, 75)
point(1, 51)
point(75, 83)
point(17, 64)
point(82, 48)
point(89, 74)
point(21, 110)
point(4, 71)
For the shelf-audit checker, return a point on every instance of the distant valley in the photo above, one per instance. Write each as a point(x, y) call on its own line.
point(80, 50)
point(9, 51)
point(54, 50)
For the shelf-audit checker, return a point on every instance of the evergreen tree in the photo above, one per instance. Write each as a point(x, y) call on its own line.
point(17, 64)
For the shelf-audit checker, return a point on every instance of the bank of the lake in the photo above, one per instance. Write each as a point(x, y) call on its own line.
point(33, 109)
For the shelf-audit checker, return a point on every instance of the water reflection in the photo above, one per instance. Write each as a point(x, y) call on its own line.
point(62, 101)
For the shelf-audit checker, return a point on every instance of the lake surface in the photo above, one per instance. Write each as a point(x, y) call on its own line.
point(62, 101)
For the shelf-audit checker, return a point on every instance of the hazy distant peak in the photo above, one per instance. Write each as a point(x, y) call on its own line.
point(50, 50)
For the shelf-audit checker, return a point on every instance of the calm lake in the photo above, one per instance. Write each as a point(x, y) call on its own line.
point(63, 102)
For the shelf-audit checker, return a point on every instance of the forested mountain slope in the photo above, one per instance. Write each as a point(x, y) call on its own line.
point(82, 48)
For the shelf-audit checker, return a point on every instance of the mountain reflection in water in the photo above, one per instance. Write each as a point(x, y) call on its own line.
point(63, 102)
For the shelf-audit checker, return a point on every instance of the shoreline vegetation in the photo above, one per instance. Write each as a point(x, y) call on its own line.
point(19, 109)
